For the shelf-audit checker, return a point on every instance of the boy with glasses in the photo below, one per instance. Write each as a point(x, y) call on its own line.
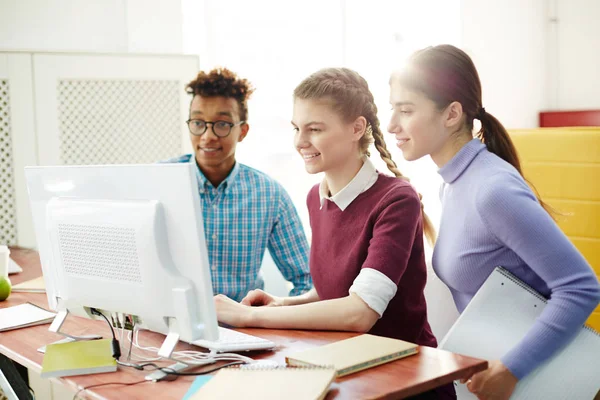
point(244, 210)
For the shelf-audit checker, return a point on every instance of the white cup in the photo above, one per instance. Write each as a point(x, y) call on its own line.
point(4, 252)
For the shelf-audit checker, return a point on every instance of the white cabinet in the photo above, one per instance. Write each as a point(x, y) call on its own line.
point(68, 108)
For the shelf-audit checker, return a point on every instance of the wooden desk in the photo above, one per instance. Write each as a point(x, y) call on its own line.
point(406, 377)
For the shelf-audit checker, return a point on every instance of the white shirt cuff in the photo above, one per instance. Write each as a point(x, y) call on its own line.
point(374, 288)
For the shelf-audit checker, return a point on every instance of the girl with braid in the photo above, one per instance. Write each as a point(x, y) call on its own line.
point(490, 216)
point(367, 257)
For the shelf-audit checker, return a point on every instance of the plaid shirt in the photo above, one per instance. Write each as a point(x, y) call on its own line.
point(245, 214)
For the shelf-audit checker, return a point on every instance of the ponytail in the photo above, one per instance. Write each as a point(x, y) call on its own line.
point(497, 140)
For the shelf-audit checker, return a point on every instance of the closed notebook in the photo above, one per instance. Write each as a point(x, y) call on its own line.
point(78, 358)
point(267, 383)
point(499, 316)
point(23, 315)
point(33, 286)
point(355, 354)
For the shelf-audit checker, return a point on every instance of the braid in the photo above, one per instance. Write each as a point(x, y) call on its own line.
point(370, 112)
point(380, 145)
point(384, 153)
point(352, 98)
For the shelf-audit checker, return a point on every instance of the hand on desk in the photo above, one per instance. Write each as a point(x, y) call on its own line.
point(259, 297)
point(231, 312)
point(243, 314)
point(495, 383)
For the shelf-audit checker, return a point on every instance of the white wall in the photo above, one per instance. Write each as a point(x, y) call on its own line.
point(507, 41)
point(534, 55)
point(137, 26)
point(578, 54)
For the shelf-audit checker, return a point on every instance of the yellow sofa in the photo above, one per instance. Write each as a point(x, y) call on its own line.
point(564, 166)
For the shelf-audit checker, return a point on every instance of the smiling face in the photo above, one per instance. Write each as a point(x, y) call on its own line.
point(213, 152)
point(325, 142)
point(417, 123)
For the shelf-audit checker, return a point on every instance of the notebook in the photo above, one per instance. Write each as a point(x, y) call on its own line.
point(33, 286)
point(499, 316)
point(78, 358)
point(355, 354)
point(268, 383)
point(22, 316)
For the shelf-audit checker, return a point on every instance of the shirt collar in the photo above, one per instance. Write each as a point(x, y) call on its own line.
point(203, 181)
point(362, 181)
point(461, 160)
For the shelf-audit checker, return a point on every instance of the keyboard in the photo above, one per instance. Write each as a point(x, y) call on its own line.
point(230, 340)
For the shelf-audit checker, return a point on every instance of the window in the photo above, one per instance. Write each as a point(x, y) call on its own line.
point(275, 50)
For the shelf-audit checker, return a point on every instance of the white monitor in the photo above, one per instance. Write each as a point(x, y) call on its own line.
point(126, 239)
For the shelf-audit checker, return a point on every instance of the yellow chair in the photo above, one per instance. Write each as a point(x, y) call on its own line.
point(564, 166)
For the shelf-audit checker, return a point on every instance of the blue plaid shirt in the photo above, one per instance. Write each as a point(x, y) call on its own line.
point(245, 214)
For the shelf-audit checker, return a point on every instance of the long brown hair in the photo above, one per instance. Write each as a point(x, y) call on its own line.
point(446, 74)
point(351, 98)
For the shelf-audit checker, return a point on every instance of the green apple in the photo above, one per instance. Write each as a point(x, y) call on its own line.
point(4, 288)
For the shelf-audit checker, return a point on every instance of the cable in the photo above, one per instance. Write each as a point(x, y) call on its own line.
point(170, 371)
point(98, 313)
point(130, 337)
point(131, 343)
point(105, 384)
point(190, 356)
point(116, 348)
point(139, 367)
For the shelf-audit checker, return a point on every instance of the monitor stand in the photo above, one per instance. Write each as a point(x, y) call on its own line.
point(60, 318)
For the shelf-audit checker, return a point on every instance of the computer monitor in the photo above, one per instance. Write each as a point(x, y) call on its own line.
point(126, 239)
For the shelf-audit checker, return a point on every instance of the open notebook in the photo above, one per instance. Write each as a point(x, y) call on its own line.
point(268, 383)
point(499, 316)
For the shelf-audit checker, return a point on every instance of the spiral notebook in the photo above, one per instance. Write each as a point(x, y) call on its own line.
point(499, 316)
point(268, 383)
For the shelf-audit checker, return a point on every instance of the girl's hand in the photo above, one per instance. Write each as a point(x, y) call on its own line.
point(258, 298)
point(232, 313)
point(495, 383)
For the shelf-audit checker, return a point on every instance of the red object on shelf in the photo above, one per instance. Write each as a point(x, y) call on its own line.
point(550, 119)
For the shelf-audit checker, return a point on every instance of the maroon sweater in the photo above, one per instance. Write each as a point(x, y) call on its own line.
point(381, 229)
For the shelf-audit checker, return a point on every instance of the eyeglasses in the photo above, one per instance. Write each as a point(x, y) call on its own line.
point(220, 128)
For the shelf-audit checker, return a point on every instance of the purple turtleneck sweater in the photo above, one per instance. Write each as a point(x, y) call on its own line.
point(490, 217)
